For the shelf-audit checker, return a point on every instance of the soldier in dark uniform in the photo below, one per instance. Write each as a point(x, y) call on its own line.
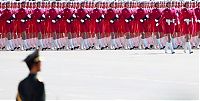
point(31, 89)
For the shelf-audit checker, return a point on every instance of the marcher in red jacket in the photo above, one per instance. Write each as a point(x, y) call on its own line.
point(187, 18)
point(168, 20)
point(197, 24)
point(97, 25)
point(140, 19)
point(126, 17)
point(111, 18)
point(83, 16)
point(7, 24)
point(154, 25)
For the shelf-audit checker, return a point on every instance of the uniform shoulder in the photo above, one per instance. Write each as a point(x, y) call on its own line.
point(22, 82)
point(40, 81)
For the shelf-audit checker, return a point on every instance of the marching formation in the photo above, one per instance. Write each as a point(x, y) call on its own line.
point(99, 25)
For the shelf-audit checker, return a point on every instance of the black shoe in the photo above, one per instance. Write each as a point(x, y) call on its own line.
point(88, 48)
point(15, 48)
point(193, 47)
point(72, 48)
point(146, 48)
point(43, 49)
point(27, 49)
point(102, 48)
point(191, 52)
point(131, 48)
point(178, 46)
point(173, 52)
point(77, 47)
point(63, 47)
point(163, 47)
point(151, 46)
point(18, 47)
point(3, 47)
point(119, 47)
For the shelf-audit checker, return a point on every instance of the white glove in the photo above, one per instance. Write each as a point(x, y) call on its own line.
point(38, 20)
point(198, 21)
point(173, 21)
point(178, 22)
point(54, 21)
point(156, 20)
point(74, 16)
point(22, 20)
point(43, 15)
point(117, 16)
point(168, 21)
point(141, 20)
point(111, 21)
point(177, 14)
point(59, 16)
point(147, 16)
point(68, 21)
point(88, 16)
point(187, 21)
point(13, 15)
point(82, 21)
point(8, 21)
point(97, 20)
point(132, 16)
point(157, 24)
point(126, 20)
point(102, 16)
point(29, 16)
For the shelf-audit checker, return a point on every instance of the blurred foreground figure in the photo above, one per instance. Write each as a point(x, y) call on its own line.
point(31, 89)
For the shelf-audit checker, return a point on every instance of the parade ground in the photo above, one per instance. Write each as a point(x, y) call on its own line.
point(106, 74)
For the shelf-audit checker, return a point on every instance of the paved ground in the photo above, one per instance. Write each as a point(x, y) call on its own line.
point(120, 74)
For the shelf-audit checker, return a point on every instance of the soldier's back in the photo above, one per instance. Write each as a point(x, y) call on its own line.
point(31, 89)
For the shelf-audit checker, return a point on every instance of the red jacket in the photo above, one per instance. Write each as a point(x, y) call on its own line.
point(197, 23)
point(125, 18)
point(51, 17)
point(187, 28)
point(110, 15)
point(67, 20)
point(154, 17)
point(96, 21)
point(81, 16)
point(139, 21)
point(6, 16)
point(21, 15)
point(37, 16)
point(168, 15)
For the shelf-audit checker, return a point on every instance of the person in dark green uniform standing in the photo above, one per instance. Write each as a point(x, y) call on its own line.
point(31, 89)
